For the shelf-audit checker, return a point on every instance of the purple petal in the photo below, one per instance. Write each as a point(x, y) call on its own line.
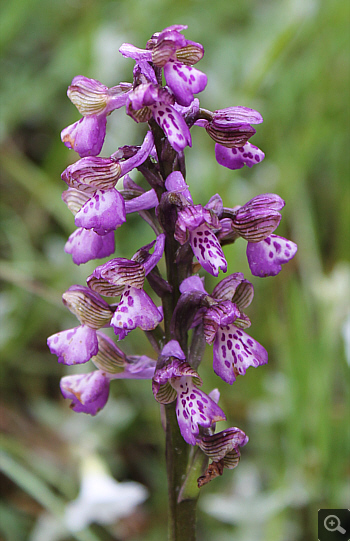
point(175, 369)
point(145, 201)
point(217, 316)
point(140, 368)
point(173, 125)
point(193, 283)
point(85, 244)
point(234, 351)
point(207, 250)
point(135, 309)
point(236, 158)
point(175, 182)
point(184, 81)
point(103, 213)
point(140, 156)
point(88, 392)
point(86, 136)
point(232, 116)
point(193, 408)
point(173, 349)
point(266, 258)
point(172, 33)
point(74, 346)
point(154, 258)
point(190, 218)
point(130, 51)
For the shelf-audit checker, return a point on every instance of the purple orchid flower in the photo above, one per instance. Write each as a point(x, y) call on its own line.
point(94, 101)
point(266, 257)
point(238, 157)
point(78, 345)
point(255, 221)
point(89, 392)
point(171, 51)
point(233, 349)
point(193, 406)
point(125, 277)
point(149, 100)
point(85, 245)
point(196, 224)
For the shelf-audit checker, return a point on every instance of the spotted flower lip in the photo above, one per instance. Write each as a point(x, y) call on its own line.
point(155, 101)
point(265, 258)
point(234, 351)
point(104, 212)
point(193, 406)
point(195, 223)
point(184, 81)
point(135, 309)
point(74, 346)
point(238, 157)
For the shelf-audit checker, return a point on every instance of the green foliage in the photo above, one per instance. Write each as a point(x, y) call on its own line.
point(290, 61)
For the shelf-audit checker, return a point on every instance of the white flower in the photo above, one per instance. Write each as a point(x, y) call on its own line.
point(101, 498)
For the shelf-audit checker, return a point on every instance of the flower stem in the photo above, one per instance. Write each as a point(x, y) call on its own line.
point(182, 515)
point(182, 511)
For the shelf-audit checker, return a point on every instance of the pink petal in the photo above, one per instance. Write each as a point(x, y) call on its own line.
point(266, 258)
point(207, 250)
point(104, 212)
point(234, 351)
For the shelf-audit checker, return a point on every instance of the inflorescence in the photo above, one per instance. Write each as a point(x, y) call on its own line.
point(181, 228)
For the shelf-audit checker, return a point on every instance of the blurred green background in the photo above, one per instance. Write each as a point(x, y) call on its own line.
point(289, 59)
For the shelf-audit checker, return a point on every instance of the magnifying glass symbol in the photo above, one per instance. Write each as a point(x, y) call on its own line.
point(332, 524)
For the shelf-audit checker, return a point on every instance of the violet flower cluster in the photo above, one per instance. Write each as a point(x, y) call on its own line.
point(190, 236)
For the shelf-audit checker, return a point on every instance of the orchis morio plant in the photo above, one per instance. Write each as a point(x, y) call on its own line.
point(189, 236)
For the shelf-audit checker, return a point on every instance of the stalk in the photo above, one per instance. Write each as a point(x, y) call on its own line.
point(181, 512)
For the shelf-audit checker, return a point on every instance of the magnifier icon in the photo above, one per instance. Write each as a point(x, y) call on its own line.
point(332, 524)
